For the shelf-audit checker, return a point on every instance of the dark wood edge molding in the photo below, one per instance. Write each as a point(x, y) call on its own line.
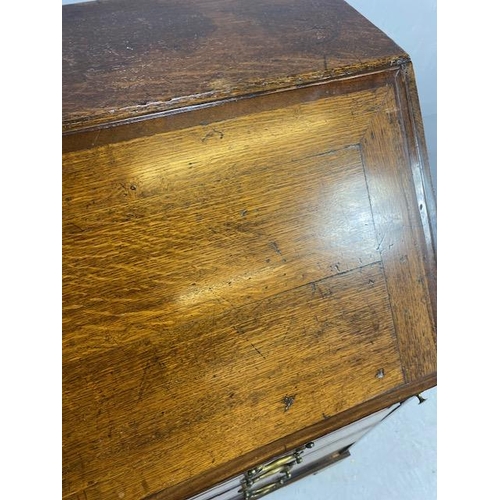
point(410, 87)
point(158, 122)
point(225, 472)
point(213, 98)
point(417, 156)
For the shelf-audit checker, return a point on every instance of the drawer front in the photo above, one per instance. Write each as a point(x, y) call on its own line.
point(294, 465)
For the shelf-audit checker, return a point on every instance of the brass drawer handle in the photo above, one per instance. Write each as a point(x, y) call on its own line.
point(253, 474)
point(279, 469)
point(250, 495)
point(281, 466)
point(293, 458)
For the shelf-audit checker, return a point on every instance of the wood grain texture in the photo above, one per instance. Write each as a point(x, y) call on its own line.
point(217, 111)
point(401, 239)
point(215, 223)
point(181, 396)
point(422, 179)
point(288, 443)
point(196, 276)
point(244, 274)
point(124, 59)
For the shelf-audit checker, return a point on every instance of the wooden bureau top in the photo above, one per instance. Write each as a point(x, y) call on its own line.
point(248, 250)
point(124, 59)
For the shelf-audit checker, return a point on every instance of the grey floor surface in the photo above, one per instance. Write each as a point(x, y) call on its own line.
point(394, 461)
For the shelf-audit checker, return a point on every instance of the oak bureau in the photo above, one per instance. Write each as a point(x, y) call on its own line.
point(249, 270)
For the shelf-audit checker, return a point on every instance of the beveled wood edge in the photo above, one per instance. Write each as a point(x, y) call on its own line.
point(407, 95)
point(189, 103)
point(417, 353)
point(194, 486)
point(216, 111)
point(410, 83)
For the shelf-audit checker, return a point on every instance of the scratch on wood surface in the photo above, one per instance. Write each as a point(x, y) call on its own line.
point(380, 243)
point(213, 133)
point(275, 247)
point(96, 137)
point(257, 350)
point(77, 226)
point(288, 401)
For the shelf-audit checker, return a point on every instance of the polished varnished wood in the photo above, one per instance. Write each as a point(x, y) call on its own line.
point(125, 59)
point(242, 277)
